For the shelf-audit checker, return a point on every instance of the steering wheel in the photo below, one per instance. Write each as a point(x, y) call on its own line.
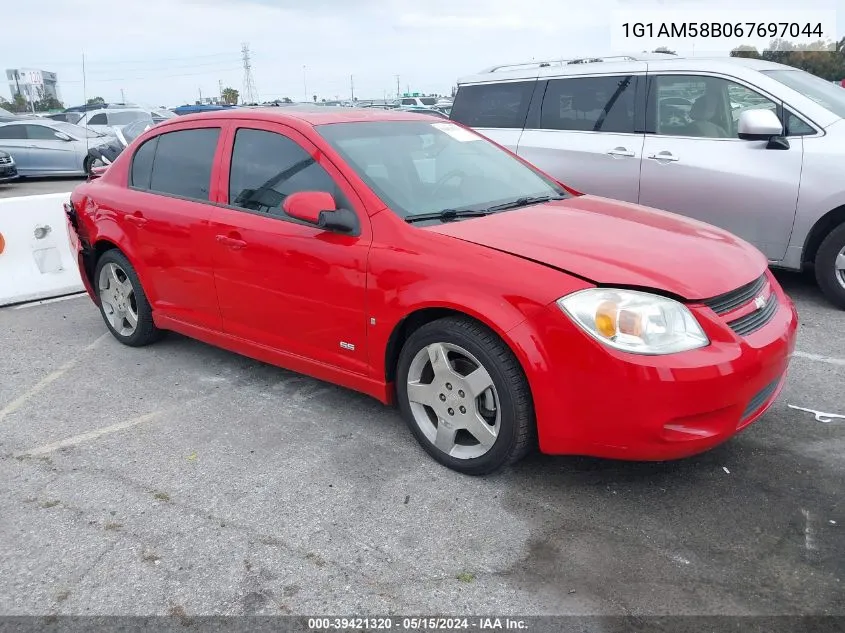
point(451, 175)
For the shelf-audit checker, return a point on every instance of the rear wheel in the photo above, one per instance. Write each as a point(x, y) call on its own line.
point(123, 304)
point(464, 396)
point(830, 266)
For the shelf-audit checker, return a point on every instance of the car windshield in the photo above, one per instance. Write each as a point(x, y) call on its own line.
point(420, 167)
point(75, 131)
point(826, 94)
point(124, 118)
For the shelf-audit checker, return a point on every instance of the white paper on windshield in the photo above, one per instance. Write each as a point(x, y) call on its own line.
point(457, 133)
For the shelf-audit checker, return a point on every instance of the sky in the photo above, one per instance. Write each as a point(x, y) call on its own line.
point(165, 52)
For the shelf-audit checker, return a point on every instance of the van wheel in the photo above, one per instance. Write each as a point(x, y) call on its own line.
point(464, 396)
point(830, 266)
point(123, 304)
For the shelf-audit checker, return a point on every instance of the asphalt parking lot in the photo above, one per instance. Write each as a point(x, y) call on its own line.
point(180, 478)
point(32, 186)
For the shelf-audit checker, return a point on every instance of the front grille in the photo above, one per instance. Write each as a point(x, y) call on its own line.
point(754, 321)
point(5, 160)
point(759, 400)
point(735, 298)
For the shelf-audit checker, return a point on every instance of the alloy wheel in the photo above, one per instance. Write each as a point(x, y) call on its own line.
point(117, 297)
point(453, 400)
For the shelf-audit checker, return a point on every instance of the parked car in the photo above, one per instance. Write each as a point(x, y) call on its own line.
point(67, 117)
point(6, 116)
point(42, 147)
point(418, 102)
point(416, 261)
point(129, 133)
point(8, 169)
point(108, 120)
point(430, 111)
point(754, 147)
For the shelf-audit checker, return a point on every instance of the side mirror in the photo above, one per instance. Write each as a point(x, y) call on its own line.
point(759, 125)
point(319, 208)
point(62, 136)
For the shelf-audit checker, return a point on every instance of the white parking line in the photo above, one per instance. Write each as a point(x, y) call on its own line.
point(18, 402)
point(42, 302)
point(90, 435)
point(821, 359)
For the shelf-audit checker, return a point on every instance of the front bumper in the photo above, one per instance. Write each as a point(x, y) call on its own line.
point(8, 172)
point(593, 400)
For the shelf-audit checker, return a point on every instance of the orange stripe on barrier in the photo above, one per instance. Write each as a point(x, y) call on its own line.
point(2, 243)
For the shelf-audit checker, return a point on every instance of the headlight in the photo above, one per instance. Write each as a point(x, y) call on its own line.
point(636, 322)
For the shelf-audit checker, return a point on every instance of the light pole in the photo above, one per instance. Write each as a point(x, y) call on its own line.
point(305, 82)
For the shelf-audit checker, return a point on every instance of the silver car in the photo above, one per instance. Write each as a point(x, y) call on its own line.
point(754, 147)
point(42, 147)
point(110, 120)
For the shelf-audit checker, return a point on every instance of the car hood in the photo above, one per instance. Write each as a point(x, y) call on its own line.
point(616, 243)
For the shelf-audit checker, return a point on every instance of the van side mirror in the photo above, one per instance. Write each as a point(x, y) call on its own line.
point(319, 209)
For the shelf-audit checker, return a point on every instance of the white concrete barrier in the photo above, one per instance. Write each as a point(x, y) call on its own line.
point(36, 260)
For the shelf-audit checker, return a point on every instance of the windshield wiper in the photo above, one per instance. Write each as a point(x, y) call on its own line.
point(447, 215)
point(523, 202)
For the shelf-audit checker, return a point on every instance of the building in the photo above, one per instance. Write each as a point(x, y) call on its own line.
point(33, 85)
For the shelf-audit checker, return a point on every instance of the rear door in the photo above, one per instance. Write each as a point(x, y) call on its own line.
point(586, 134)
point(49, 154)
point(695, 164)
point(165, 215)
point(496, 110)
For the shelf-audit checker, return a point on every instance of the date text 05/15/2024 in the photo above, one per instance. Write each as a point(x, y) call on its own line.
point(672, 30)
point(417, 624)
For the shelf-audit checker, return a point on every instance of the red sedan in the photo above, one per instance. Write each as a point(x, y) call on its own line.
point(413, 260)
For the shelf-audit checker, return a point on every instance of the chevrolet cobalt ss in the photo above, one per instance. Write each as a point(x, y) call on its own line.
point(418, 262)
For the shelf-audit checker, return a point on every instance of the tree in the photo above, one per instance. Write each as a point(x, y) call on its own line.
point(230, 96)
point(19, 103)
point(95, 101)
point(287, 100)
point(315, 98)
point(745, 51)
point(663, 49)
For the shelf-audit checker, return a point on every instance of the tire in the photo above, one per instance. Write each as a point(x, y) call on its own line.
point(120, 309)
point(446, 401)
point(830, 278)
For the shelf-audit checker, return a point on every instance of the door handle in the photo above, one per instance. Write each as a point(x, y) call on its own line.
point(669, 157)
point(137, 219)
point(621, 151)
point(231, 242)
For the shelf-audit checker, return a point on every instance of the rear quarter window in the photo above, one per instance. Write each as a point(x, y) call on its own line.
point(501, 105)
point(142, 164)
point(176, 163)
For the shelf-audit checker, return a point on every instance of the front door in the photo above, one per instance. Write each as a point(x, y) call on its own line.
point(694, 163)
point(281, 282)
point(588, 137)
point(49, 154)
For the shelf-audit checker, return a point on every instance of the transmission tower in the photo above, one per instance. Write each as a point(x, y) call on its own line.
point(250, 94)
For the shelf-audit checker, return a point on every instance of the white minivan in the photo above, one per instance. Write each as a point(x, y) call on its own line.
point(751, 146)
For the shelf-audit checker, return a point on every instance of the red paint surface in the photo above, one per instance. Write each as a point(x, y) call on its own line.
point(288, 293)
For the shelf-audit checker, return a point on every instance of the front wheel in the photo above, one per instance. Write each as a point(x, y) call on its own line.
point(123, 304)
point(830, 266)
point(464, 396)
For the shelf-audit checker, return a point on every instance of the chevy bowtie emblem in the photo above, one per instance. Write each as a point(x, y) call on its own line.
point(760, 302)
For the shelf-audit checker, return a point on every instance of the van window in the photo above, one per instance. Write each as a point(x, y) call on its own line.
point(590, 104)
point(182, 163)
point(502, 105)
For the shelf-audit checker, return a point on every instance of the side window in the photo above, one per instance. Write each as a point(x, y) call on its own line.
point(40, 133)
point(183, 162)
point(502, 105)
point(267, 167)
point(701, 106)
point(797, 127)
point(142, 164)
point(98, 119)
point(12, 132)
point(595, 104)
point(409, 102)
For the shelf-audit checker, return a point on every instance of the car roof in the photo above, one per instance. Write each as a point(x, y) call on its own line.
point(653, 62)
point(313, 115)
point(34, 121)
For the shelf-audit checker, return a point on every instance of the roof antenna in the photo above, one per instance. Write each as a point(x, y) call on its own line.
point(85, 102)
